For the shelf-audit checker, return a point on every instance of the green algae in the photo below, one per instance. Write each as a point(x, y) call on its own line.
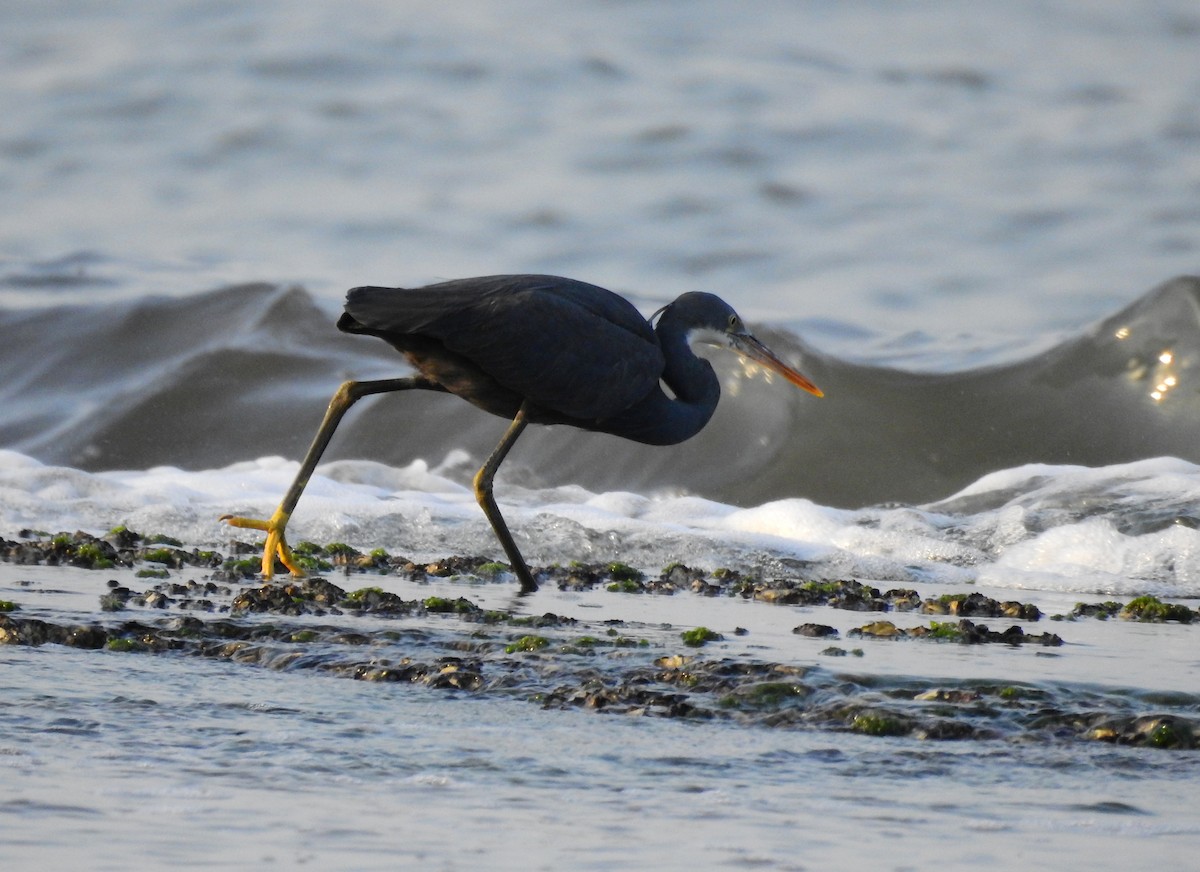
point(1150, 609)
point(163, 539)
point(700, 636)
point(312, 564)
point(1165, 734)
point(123, 645)
point(764, 695)
point(443, 605)
point(93, 556)
point(357, 596)
point(161, 555)
point(624, 572)
point(945, 631)
point(527, 643)
point(879, 724)
point(243, 566)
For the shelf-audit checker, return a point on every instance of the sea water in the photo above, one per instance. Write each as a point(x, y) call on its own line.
point(962, 222)
point(972, 176)
point(118, 759)
point(205, 765)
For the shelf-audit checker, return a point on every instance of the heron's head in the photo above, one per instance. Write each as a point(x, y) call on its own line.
point(707, 319)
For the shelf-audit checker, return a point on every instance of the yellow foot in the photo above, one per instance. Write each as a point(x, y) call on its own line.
point(276, 545)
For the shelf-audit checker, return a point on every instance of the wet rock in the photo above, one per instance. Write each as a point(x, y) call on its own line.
point(857, 597)
point(170, 557)
point(625, 699)
point(1154, 731)
point(977, 605)
point(67, 549)
point(451, 566)
point(1160, 731)
point(186, 626)
point(847, 594)
point(1102, 611)
point(835, 651)
point(951, 730)
point(405, 673)
point(781, 596)
point(1146, 609)
point(443, 605)
point(963, 631)
point(903, 600)
point(1150, 609)
point(28, 631)
point(975, 634)
point(457, 675)
point(599, 672)
point(115, 599)
point(122, 538)
point(878, 630)
point(548, 619)
point(951, 696)
point(24, 553)
point(815, 631)
point(156, 600)
point(765, 695)
point(312, 596)
point(90, 637)
point(685, 578)
point(1020, 611)
point(880, 723)
point(699, 636)
point(852, 595)
point(372, 600)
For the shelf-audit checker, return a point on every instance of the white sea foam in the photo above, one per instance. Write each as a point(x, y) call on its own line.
point(1121, 529)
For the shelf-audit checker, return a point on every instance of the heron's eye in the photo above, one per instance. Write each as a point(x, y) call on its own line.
point(735, 323)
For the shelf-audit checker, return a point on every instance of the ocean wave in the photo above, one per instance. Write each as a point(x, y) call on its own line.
point(245, 371)
point(1119, 530)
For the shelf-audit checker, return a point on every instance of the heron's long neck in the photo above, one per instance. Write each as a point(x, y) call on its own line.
point(690, 378)
point(659, 419)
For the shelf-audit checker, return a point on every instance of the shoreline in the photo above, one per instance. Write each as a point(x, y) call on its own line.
point(836, 656)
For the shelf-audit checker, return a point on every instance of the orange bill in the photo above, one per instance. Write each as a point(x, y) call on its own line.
point(759, 353)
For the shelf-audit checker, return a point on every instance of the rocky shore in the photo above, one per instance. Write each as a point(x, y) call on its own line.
point(156, 596)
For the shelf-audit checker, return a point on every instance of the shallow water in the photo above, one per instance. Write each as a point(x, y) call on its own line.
point(374, 778)
point(119, 759)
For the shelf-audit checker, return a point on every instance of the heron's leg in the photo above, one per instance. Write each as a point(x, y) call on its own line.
point(347, 395)
point(483, 494)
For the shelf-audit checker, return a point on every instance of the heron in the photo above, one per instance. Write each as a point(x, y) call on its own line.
point(536, 349)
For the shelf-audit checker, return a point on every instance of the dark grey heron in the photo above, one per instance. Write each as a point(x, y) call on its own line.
point(537, 350)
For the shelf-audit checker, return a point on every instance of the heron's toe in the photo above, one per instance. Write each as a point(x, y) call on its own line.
point(276, 544)
point(245, 523)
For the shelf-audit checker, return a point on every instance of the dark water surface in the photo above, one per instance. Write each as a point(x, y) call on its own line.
point(244, 372)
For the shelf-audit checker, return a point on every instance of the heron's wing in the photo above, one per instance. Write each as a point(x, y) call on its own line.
point(567, 346)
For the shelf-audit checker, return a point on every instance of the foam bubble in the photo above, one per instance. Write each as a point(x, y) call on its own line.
point(1121, 529)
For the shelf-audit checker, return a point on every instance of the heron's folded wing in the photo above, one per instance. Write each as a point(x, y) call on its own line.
point(567, 346)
